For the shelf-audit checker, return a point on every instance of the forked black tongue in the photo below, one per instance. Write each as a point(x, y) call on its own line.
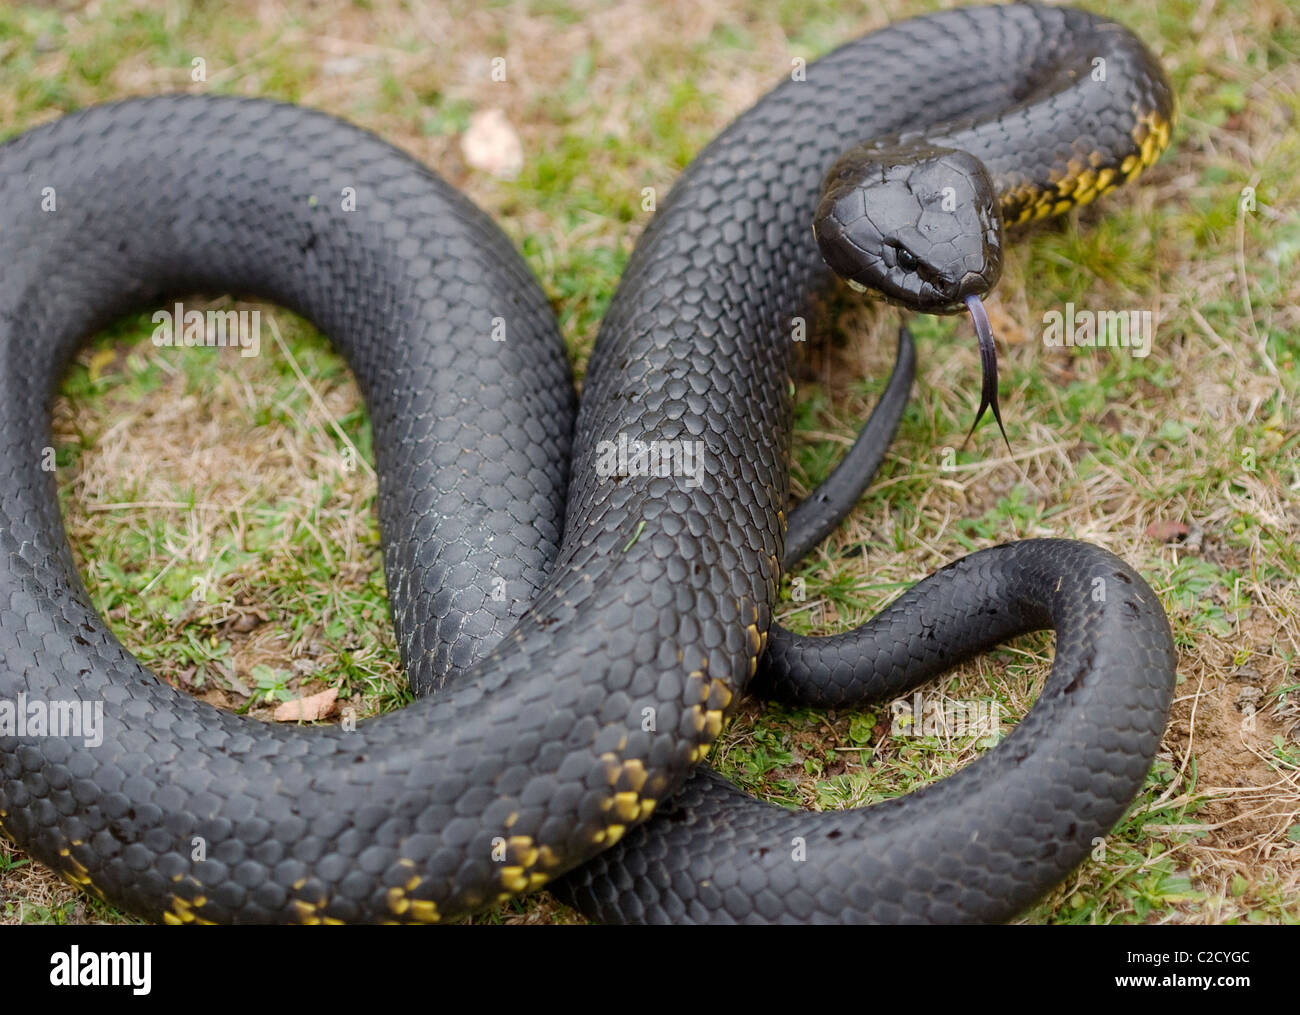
point(989, 366)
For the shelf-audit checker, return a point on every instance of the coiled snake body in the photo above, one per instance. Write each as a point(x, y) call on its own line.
point(638, 608)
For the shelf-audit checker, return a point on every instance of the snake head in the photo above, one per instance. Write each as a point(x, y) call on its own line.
point(914, 223)
point(919, 225)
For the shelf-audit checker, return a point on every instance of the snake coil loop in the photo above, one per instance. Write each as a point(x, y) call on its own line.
point(639, 591)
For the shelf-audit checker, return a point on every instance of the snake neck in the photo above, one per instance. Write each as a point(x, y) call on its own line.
point(1096, 116)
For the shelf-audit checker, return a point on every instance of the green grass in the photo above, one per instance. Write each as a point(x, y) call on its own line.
point(279, 537)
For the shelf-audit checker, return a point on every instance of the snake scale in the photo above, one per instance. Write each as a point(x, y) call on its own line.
point(561, 725)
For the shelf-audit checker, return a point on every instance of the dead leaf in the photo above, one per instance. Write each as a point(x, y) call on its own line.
point(308, 709)
point(491, 144)
point(1166, 531)
point(246, 622)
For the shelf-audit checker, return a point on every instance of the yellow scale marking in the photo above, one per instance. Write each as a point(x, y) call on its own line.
point(1080, 185)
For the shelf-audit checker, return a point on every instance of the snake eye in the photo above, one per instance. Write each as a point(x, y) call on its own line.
point(906, 259)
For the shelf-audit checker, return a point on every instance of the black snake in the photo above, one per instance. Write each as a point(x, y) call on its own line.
point(640, 606)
